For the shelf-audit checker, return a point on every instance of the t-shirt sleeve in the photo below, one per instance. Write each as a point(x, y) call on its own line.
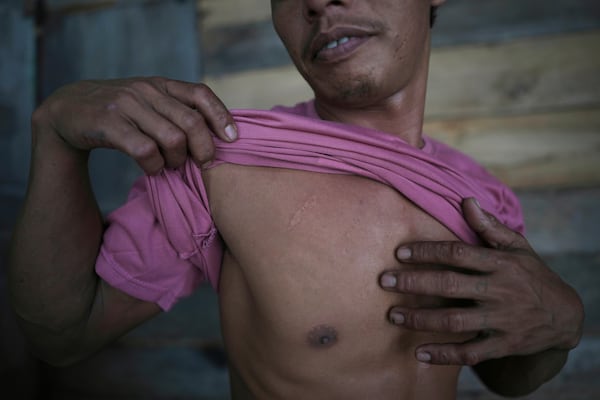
point(494, 196)
point(162, 243)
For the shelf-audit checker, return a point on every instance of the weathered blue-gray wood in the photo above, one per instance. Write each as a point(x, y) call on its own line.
point(243, 47)
point(193, 320)
point(138, 38)
point(490, 21)
point(143, 373)
point(255, 45)
point(564, 228)
point(578, 380)
point(18, 371)
point(17, 95)
point(176, 355)
point(582, 271)
point(562, 221)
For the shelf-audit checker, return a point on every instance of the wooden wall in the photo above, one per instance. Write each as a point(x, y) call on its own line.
point(17, 100)
point(515, 83)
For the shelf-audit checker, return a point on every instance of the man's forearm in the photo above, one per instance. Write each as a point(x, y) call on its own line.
point(52, 282)
point(519, 375)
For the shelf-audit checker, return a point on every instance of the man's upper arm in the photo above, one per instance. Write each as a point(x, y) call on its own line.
point(113, 314)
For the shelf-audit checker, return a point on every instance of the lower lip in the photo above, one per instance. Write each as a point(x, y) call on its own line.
point(342, 51)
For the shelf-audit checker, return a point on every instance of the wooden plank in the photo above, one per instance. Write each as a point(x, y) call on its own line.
point(491, 21)
point(19, 376)
point(78, 6)
point(563, 222)
point(527, 137)
point(530, 75)
point(243, 48)
point(544, 150)
point(573, 124)
point(561, 172)
point(17, 95)
point(238, 34)
point(222, 13)
point(261, 89)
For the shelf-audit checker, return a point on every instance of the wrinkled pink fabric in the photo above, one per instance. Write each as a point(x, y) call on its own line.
point(163, 243)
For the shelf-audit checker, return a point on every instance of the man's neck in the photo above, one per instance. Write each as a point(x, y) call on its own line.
point(396, 116)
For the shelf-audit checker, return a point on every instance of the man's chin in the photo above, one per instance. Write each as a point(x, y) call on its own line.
point(352, 93)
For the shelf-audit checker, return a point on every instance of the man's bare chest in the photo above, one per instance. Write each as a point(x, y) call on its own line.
point(311, 226)
point(304, 252)
point(270, 206)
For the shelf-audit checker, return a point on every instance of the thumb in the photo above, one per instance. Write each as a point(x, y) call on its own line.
point(489, 229)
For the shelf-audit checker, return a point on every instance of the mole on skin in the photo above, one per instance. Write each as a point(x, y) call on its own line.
point(322, 336)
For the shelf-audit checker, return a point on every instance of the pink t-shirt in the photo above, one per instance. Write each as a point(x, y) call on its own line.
point(162, 243)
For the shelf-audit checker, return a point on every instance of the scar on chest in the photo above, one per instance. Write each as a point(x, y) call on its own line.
point(299, 214)
point(322, 336)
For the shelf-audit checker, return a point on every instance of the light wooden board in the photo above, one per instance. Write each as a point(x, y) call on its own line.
point(529, 75)
point(261, 89)
point(560, 149)
point(559, 173)
point(219, 13)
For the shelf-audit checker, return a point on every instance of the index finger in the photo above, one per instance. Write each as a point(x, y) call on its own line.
point(206, 102)
point(446, 284)
point(452, 253)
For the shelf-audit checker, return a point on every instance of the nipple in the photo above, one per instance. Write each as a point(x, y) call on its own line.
point(322, 336)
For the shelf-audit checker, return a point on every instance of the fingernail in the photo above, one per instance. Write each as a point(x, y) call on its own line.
point(476, 202)
point(231, 132)
point(397, 318)
point(423, 357)
point(404, 253)
point(388, 281)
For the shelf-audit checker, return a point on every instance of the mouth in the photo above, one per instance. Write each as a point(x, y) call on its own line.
point(337, 43)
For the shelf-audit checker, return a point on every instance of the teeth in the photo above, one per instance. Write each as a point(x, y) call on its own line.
point(332, 45)
point(336, 43)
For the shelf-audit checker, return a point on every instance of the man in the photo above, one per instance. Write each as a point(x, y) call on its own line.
point(301, 311)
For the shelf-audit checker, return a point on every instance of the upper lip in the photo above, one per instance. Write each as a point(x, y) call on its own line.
point(322, 39)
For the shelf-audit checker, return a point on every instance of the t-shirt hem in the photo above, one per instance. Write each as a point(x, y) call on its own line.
point(117, 276)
